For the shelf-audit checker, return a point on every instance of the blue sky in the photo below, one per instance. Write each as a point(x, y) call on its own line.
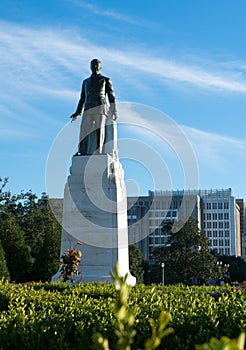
point(185, 59)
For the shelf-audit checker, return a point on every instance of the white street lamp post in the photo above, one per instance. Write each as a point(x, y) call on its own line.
point(163, 266)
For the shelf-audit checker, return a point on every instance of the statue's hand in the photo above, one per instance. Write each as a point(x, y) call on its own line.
point(74, 117)
point(114, 116)
point(113, 111)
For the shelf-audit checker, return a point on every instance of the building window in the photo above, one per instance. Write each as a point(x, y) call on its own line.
point(214, 233)
point(227, 233)
point(221, 224)
point(221, 251)
point(215, 242)
point(151, 240)
point(226, 216)
point(226, 205)
point(220, 215)
point(214, 224)
point(152, 222)
point(175, 205)
point(227, 242)
point(214, 216)
point(221, 242)
point(220, 205)
point(209, 233)
point(214, 205)
point(221, 233)
point(227, 224)
point(209, 216)
point(208, 206)
point(227, 251)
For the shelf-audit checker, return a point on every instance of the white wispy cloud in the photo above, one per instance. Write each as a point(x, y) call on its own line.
point(214, 139)
point(217, 151)
point(212, 152)
point(108, 13)
point(54, 58)
point(6, 134)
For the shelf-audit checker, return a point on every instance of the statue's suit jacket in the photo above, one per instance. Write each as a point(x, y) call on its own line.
point(94, 107)
point(93, 94)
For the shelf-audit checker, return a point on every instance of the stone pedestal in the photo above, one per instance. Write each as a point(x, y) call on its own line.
point(95, 213)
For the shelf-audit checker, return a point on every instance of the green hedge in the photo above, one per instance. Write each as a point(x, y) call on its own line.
point(58, 316)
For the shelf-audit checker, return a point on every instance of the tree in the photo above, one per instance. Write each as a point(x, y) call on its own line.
point(236, 268)
point(3, 264)
point(47, 248)
point(30, 235)
point(136, 263)
point(186, 254)
point(17, 253)
point(42, 233)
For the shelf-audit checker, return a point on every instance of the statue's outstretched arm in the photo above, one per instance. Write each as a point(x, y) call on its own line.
point(80, 106)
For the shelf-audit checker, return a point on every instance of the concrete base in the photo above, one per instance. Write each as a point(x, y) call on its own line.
point(95, 213)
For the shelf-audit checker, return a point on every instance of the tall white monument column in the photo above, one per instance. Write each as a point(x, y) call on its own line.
point(95, 213)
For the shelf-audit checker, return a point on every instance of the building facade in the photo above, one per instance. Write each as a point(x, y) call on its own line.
point(221, 221)
point(242, 208)
point(244, 234)
point(216, 211)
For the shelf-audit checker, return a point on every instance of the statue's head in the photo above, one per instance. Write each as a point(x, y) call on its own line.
point(96, 66)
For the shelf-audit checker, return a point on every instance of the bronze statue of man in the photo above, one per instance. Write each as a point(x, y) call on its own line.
point(96, 114)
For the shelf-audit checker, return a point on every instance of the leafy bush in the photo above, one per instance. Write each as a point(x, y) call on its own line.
point(224, 343)
point(59, 316)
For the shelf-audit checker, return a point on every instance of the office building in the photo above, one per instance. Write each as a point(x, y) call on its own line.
point(217, 212)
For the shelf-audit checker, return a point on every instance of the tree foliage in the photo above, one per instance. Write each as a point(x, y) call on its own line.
point(136, 263)
point(42, 234)
point(17, 253)
point(186, 255)
point(4, 272)
point(236, 269)
point(30, 235)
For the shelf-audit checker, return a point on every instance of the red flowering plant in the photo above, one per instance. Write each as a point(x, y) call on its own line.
point(69, 263)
